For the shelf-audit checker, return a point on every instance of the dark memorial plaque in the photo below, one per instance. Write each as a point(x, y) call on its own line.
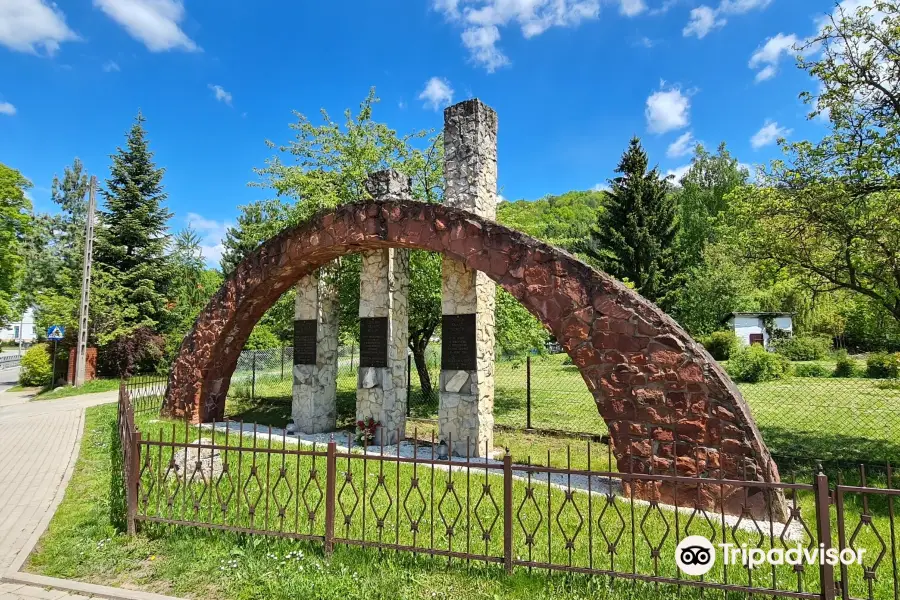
point(458, 351)
point(373, 341)
point(305, 341)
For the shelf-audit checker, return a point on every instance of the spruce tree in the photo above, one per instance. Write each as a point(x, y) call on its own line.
point(132, 235)
point(635, 234)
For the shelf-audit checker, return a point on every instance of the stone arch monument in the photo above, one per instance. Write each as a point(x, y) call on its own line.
point(669, 407)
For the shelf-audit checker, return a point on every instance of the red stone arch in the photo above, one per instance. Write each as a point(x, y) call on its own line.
point(669, 406)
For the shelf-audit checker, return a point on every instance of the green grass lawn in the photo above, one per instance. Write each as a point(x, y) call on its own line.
point(66, 391)
point(22, 388)
point(90, 387)
point(80, 542)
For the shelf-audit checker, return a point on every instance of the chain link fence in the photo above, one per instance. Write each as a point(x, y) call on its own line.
point(824, 417)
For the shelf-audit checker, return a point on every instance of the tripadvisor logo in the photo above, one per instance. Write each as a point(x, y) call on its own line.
point(695, 555)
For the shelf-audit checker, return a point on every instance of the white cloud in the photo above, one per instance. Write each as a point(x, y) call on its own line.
point(481, 21)
point(667, 110)
point(739, 7)
point(600, 187)
point(683, 146)
point(632, 8)
point(665, 7)
point(437, 93)
point(482, 45)
point(769, 134)
point(111, 66)
point(211, 233)
point(678, 173)
point(704, 19)
point(26, 25)
point(153, 22)
point(769, 54)
point(767, 72)
point(7, 109)
point(221, 94)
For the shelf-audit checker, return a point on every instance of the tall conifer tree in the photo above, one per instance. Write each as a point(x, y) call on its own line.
point(132, 237)
point(635, 233)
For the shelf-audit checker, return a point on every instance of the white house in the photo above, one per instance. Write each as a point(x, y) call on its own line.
point(20, 330)
point(750, 327)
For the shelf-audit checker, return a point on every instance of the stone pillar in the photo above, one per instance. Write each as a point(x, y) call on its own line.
point(316, 320)
point(384, 325)
point(466, 412)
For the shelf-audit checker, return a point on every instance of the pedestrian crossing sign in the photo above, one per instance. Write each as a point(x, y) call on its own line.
point(56, 333)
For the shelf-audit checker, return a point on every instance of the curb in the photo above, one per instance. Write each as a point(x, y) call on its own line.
point(78, 587)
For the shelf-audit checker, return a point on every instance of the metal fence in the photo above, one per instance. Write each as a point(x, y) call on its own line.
point(520, 515)
point(850, 419)
point(9, 361)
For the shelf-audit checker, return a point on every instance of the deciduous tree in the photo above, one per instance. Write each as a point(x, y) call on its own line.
point(15, 222)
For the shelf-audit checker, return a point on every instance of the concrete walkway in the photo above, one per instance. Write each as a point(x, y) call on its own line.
point(39, 444)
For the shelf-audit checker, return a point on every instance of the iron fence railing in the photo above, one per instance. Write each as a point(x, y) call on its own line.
point(519, 514)
point(146, 393)
point(9, 361)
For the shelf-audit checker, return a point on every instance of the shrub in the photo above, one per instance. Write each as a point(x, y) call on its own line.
point(37, 369)
point(140, 351)
point(811, 370)
point(846, 366)
point(262, 338)
point(882, 365)
point(721, 344)
point(803, 347)
point(755, 364)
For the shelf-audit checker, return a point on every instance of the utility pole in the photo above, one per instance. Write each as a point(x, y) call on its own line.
point(80, 361)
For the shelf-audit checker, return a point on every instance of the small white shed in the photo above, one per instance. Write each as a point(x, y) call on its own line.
point(750, 327)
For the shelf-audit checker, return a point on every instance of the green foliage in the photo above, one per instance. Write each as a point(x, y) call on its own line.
point(720, 284)
point(882, 365)
point(256, 223)
point(802, 347)
point(636, 231)
point(192, 286)
point(702, 197)
point(326, 165)
point(754, 364)
point(830, 211)
point(15, 223)
point(132, 238)
point(721, 344)
point(262, 338)
point(564, 221)
point(844, 366)
point(811, 370)
point(518, 331)
point(36, 366)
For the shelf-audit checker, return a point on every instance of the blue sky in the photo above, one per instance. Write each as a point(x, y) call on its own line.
point(572, 81)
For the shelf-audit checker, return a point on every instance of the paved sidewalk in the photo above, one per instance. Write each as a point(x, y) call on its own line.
point(38, 446)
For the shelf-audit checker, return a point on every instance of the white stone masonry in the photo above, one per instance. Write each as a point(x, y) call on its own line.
point(466, 412)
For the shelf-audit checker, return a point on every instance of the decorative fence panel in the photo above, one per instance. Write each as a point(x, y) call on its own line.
point(236, 477)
